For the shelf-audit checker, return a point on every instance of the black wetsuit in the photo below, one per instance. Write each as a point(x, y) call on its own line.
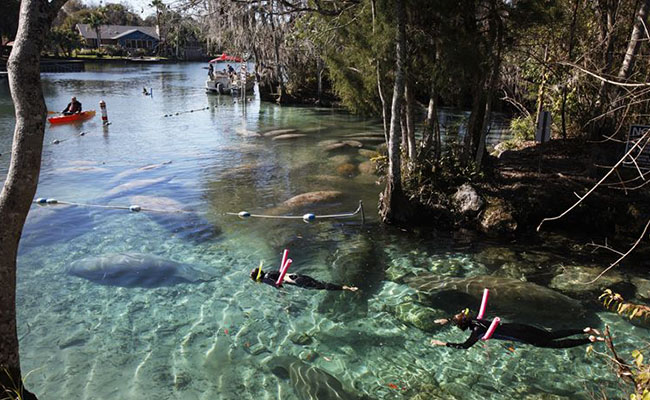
point(521, 333)
point(72, 108)
point(302, 281)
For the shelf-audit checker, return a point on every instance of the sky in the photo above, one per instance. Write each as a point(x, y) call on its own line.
point(141, 7)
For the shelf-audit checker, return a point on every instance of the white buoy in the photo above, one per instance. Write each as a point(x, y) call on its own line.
point(309, 217)
point(102, 106)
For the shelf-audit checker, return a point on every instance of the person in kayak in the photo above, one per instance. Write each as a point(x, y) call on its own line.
point(517, 333)
point(303, 281)
point(74, 107)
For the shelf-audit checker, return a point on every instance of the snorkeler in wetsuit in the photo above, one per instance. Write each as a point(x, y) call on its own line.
point(302, 281)
point(517, 333)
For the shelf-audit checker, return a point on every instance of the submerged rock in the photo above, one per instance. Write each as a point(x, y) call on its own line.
point(508, 297)
point(417, 315)
point(347, 169)
point(309, 382)
point(642, 288)
point(574, 280)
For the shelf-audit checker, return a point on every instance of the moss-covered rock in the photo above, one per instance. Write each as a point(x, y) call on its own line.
point(417, 315)
point(498, 217)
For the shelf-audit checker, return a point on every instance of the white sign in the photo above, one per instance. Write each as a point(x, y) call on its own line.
point(643, 159)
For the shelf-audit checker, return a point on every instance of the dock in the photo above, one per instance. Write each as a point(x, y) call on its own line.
point(62, 66)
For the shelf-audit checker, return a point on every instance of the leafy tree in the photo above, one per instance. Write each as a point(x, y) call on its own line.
point(95, 20)
point(64, 39)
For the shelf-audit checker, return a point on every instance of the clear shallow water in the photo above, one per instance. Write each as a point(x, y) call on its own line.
point(221, 339)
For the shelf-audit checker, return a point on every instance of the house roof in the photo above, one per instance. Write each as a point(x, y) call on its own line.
point(115, 31)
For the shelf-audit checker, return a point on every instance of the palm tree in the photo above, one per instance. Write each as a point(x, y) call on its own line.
point(95, 20)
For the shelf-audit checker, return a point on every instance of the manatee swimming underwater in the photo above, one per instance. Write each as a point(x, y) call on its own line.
point(310, 382)
point(135, 270)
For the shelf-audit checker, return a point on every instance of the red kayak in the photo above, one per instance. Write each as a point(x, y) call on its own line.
point(64, 119)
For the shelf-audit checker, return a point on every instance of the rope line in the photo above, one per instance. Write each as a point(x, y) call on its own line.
point(242, 214)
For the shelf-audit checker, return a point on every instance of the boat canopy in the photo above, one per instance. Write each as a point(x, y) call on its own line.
point(226, 57)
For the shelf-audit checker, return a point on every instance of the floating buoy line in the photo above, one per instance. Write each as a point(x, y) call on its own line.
point(309, 217)
point(187, 112)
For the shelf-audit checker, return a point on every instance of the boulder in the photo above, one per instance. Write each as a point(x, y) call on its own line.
point(467, 201)
point(347, 169)
point(642, 288)
point(368, 167)
point(573, 280)
point(417, 315)
point(368, 153)
point(509, 298)
point(497, 218)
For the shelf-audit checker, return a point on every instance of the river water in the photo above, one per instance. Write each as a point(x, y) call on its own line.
point(227, 337)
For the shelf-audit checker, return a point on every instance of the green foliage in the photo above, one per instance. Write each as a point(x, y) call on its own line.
point(430, 181)
point(523, 128)
point(64, 39)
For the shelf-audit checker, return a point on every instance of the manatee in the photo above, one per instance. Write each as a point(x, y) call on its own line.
point(278, 132)
point(289, 136)
point(134, 171)
point(135, 186)
point(67, 170)
point(246, 132)
point(56, 223)
point(312, 198)
point(135, 270)
point(310, 382)
point(173, 216)
point(508, 297)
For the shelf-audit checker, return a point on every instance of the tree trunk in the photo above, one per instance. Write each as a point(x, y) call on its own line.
point(99, 37)
point(542, 87)
point(492, 83)
point(635, 41)
point(385, 111)
point(276, 54)
point(22, 178)
point(393, 205)
point(410, 123)
point(570, 57)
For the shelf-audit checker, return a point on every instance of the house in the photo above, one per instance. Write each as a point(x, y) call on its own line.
point(127, 37)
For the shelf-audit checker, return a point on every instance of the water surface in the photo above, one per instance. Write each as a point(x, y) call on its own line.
point(218, 339)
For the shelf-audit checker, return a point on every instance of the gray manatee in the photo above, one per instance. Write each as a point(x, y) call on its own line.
point(136, 270)
point(310, 382)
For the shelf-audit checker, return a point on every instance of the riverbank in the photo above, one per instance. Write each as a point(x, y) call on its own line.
point(522, 187)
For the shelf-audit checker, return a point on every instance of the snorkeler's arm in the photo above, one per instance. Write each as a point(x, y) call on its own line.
point(471, 340)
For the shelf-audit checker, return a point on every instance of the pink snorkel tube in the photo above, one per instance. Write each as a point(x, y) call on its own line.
point(481, 313)
point(284, 266)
